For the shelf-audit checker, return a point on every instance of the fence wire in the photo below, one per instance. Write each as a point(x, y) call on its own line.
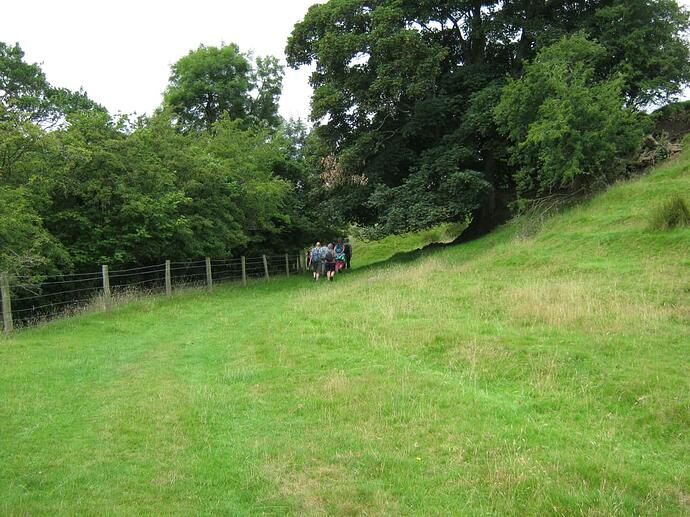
point(38, 299)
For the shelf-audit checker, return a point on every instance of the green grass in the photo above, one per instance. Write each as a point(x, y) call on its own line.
point(670, 214)
point(516, 374)
point(366, 253)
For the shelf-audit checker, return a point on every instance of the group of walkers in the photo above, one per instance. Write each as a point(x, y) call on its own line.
point(330, 259)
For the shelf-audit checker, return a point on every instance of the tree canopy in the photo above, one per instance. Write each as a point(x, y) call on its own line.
point(210, 83)
point(569, 130)
point(80, 188)
point(405, 92)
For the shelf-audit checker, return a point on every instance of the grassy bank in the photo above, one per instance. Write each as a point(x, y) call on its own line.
point(371, 252)
point(534, 371)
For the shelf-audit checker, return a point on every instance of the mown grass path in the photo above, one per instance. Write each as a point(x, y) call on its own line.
point(534, 371)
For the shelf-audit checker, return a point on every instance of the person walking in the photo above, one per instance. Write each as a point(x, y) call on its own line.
point(323, 251)
point(339, 256)
point(329, 262)
point(315, 260)
point(348, 253)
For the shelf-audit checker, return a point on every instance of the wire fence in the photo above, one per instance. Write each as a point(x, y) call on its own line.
point(26, 302)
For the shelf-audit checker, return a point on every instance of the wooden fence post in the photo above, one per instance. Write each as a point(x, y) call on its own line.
point(287, 265)
point(265, 267)
point(244, 271)
point(106, 286)
point(209, 277)
point(168, 279)
point(6, 303)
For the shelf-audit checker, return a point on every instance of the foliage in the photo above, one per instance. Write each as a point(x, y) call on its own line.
point(26, 94)
point(397, 83)
point(368, 250)
point(84, 188)
point(26, 248)
point(215, 82)
point(672, 213)
point(672, 121)
point(426, 198)
point(569, 130)
point(645, 45)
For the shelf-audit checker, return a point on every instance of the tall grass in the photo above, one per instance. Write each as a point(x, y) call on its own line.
point(671, 213)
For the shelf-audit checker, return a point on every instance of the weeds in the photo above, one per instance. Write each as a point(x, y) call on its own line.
point(672, 213)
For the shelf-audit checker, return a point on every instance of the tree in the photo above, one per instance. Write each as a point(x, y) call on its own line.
point(212, 82)
point(268, 79)
point(398, 84)
point(645, 45)
point(24, 88)
point(26, 93)
point(79, 188)
point(26, 248)
point(569, 129)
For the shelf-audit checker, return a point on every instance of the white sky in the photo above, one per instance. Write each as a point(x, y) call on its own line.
point(120, 51)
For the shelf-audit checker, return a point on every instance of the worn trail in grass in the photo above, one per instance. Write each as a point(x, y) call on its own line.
point(536, 370)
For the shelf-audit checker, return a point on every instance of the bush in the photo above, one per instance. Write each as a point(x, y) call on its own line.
point(571, 131)
point(673, 213)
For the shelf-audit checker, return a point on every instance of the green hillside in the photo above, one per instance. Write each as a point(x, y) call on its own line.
point(538, 370)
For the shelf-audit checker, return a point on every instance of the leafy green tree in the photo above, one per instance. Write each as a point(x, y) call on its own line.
point(111, 201)
point(399, 83)
point(268, 80)
point(26, 93)
point(645, 46)
point(210, 83)
point(26, 248)
point(23, 87)
point(19, 138)
point(79, 188)
point(569, 130)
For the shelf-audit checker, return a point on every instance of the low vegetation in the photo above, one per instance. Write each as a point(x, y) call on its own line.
point(521, 373)
point(399, 246)
point(672, 213)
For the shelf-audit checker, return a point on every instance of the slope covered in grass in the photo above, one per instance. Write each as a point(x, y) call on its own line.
point(367, 253)
point(534, 371)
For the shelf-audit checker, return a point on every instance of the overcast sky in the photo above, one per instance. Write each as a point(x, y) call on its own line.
point(120, 52)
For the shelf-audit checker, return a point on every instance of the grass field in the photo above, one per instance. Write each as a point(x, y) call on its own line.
point(533, 371)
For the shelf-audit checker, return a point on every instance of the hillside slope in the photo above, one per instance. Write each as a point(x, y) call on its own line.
point(536, 370)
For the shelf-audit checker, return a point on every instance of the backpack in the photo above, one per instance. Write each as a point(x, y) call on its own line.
point(316, 254)
point(329, 256)
point(339, 252)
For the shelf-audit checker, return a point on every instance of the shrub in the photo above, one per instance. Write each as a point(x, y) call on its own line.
point(570, 129)
point(673, 213)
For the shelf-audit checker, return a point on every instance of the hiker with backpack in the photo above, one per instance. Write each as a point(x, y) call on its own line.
point(339, 256)
point(348, 253)
point(329, 262)
point(324, 250)
point(315, 260)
